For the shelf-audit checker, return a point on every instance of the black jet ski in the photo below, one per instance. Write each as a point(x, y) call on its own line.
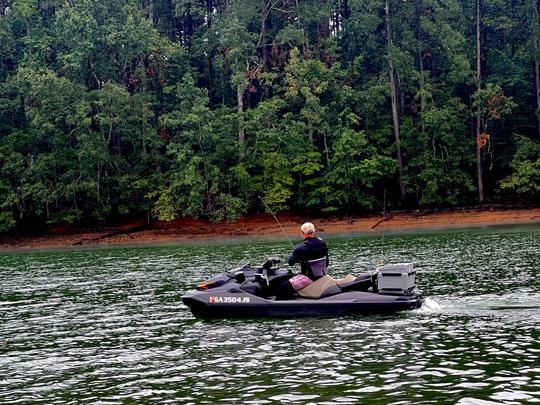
point(250, 292)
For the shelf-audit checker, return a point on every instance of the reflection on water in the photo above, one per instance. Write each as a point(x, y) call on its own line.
point(108, 325)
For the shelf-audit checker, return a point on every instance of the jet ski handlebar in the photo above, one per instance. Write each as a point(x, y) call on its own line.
point(270, 262)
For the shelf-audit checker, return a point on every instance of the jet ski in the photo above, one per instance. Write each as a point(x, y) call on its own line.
point(249, 292)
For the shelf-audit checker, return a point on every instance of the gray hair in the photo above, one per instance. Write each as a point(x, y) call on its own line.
point(308, 228)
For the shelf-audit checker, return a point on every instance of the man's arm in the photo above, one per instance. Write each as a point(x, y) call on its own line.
point(296, 256)
point(326, 252)
point(293, 259)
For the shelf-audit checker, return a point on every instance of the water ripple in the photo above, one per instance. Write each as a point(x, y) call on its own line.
point(108, 326)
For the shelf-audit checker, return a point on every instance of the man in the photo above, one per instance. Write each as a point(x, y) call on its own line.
point(312, 254)
point(307, 253)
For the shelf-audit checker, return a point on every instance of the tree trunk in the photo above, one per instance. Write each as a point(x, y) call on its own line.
point(421, 66)
point(537, 81)
point(151, 11)
point(393, 95)
point(299, 23)
point(188, 26)
point(241, 131)
point(171, 24)
point(536, 65)
point(262, 38)
point(209, 12)
point(97, 183)
point(210, 55)
point(479, 168)
point(337, 11)
point(326, 151)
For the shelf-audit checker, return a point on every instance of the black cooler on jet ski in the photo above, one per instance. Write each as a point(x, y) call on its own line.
point(250, 292)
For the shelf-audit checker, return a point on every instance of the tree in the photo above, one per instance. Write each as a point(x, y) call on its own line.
point(238, 47)
point(480, 139)
point(490, 104)
point(525, 180)
point(393, 96)
point(356, 169)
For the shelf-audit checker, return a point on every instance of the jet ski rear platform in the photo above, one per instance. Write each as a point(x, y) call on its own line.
point(246, 293)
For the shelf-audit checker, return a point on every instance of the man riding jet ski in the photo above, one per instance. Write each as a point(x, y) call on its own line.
point(251, 292)
point(271, 291)
point(312, 254)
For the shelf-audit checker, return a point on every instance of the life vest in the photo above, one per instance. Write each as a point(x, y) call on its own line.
point(318, 266)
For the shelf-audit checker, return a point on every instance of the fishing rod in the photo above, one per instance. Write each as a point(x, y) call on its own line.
point(279, 223)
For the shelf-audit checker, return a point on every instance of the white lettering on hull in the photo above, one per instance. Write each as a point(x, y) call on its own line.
point(228, 300)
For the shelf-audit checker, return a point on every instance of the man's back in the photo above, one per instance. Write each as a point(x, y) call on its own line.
point(310, 249)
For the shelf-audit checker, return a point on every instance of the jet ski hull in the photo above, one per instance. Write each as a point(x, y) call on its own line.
point(239, 304)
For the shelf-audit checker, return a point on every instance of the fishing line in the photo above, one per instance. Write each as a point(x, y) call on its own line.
point(381, 261)
point(287, 235)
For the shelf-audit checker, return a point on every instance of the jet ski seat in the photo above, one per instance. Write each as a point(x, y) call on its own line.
point(323, 287)
point(361, 283)
point(347, 279)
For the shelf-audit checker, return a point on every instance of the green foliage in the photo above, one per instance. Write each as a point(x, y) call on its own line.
point(440, 159)
point(311, 190)
point(68, 216)
point(7, 221)
point(164, 206)
point(355, 168)
point(525, 179)
point(228, 208)
point(276, 181)
point(114, 109)
point(492, 104)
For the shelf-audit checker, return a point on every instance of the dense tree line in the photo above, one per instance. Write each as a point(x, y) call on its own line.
point(117, 108)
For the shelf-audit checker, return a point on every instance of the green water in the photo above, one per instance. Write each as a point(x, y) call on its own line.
point(108, 326)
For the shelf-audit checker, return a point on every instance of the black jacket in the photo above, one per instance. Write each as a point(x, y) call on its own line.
point(310, 249)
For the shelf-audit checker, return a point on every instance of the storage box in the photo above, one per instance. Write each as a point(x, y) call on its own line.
point(396, 279)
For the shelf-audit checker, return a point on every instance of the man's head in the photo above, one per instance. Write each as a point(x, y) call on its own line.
point(308, 230)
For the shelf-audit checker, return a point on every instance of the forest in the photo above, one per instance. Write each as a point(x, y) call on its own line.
point(113, 109)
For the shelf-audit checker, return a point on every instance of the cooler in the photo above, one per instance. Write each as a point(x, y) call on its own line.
point(396, 279)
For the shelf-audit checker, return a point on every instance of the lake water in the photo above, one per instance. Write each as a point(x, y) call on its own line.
point(108, 326)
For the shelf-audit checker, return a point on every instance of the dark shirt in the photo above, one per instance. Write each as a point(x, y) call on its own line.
point(310, 249)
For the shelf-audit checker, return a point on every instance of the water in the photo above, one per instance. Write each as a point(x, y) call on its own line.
point(108, 326)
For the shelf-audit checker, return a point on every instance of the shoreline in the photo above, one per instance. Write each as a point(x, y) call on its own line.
point(264, 227)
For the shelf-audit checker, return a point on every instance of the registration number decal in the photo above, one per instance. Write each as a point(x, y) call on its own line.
point(228, 300)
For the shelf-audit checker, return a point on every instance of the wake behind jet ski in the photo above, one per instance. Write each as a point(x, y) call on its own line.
point(250, 292)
